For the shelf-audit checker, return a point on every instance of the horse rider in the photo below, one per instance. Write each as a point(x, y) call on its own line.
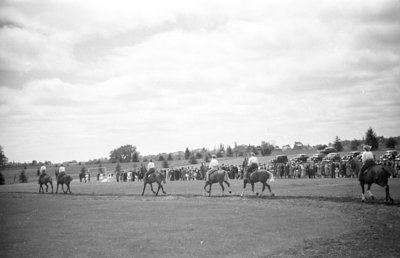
point(150, 169)
point(252, 165)
point(42, 171)
point(213, 166)
point(61, 171)
point(367, 158)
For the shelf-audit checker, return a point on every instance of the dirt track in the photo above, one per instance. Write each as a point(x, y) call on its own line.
point(321, 218)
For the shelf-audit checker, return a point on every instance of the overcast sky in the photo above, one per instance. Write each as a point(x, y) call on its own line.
point(81, 78)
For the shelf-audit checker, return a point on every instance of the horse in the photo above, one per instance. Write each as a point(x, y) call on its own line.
point(261, 175)
point(379, 175)
point(63, 179)
point(44, 180)
point(155, 177)
point(220, 176)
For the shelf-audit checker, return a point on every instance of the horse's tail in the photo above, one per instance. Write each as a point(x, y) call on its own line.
point(271, 177)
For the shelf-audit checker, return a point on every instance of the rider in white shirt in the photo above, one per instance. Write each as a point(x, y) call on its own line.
point(252, 164)
point(367, 158)
point(150, 169)
point(213, 166)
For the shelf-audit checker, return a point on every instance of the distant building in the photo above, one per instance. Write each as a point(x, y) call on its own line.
point(286, 147)
point(298, 146)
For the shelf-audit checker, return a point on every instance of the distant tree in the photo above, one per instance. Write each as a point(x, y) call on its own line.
point(371, 139)
point(3, 159)
point(135, 157)
point(161, 158)
point(165, 164)
point(321, 146)
point(391, 143)
point(229, 151)
point(123, 153)
point(354, 144)
point(266, 148)
point(198, 155)
point(192, 160)
point(187, 153)
point(2, 180)
point(118, 168)
point(207, 157)
point(338, 144)
point(22, 177)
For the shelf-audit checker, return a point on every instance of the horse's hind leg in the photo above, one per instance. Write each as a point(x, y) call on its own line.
point(223, 188)
point(69, 189)
point(229, 186)
point(269, 188)
point(362, 191)
point(151, 187)
point(369, 192)
point(158, 189)
point(162, 189)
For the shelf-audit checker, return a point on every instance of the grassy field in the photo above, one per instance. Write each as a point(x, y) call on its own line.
point(306, 218)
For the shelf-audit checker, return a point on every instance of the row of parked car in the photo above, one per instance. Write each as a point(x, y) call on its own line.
point(330, 154)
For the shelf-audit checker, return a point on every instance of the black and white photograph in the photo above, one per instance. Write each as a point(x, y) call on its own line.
point(204, 128)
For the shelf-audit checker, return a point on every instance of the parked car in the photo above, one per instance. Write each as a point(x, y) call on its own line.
point(317, 157)
point(328, 150)
point(300, 157)
point(389, 155)
point(354, 154)
point(334, 156)
point(281, 159)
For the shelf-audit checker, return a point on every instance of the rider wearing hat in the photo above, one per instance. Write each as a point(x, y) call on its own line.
point(213, 166)
point(252, 165)
point(367, 158)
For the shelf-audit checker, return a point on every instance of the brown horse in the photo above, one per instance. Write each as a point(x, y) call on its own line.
point(261, 175)
point(220, 176)
point(44, 180)
point(155, 177)
point(379, 175)
point(63, 179)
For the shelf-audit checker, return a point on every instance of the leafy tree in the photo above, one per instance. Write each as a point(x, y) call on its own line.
point(371, 139)
point(123, 154)
point(161, 158)
point(391, 143)
point(22, 177)
point(118, 168)
point(187, 153)
point(229, 151)
point(135, 157)
point(3, 159)
point(170, 157)
point(266, 148)
point(193, 160)
point(321, 146)
point(354, 144)
point(207, 157)
point(338, 144)
point(198, 155)
point(165, 164)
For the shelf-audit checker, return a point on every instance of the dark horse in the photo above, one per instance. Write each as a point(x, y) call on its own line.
point(156, 177)
point(63, 179)
point(261, 175)
point(379, 175)
point(44, 180)
point(220, 176)
point(355, 166)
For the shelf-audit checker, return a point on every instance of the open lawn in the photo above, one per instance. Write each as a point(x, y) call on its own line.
point(306, 218)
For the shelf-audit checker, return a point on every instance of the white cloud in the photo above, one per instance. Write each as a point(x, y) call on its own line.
point(169, 75)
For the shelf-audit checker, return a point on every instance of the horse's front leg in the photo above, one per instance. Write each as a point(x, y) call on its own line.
point(158, 189)
point(151, 187)
point(388, 198)
point(162, 189)
point(47, 188)
point(62, 187)
point(244, 186)
point(69, 189)
point(144, 187)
